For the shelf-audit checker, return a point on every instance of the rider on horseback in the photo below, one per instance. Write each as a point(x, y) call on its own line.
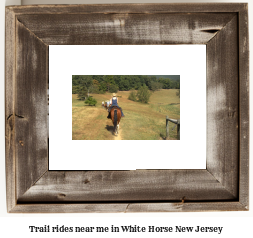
point(114, 103)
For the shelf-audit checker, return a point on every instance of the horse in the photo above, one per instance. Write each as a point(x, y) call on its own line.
point(115, 116)
point(105, 104)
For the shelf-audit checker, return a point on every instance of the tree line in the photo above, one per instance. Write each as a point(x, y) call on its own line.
point(83, 85)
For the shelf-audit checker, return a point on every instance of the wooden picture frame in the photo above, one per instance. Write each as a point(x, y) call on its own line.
point(222, 186)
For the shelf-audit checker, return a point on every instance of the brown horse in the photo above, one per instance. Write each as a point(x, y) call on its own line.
point(115, 116)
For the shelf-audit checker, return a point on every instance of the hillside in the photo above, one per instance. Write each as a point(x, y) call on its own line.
point(141, 121)
point(172, 77)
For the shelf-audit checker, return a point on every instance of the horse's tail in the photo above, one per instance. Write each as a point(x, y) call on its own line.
point(115, 119)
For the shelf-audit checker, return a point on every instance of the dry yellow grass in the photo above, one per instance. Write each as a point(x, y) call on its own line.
point(141, 121)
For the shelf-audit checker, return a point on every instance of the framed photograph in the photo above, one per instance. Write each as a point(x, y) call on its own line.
point(32, 35)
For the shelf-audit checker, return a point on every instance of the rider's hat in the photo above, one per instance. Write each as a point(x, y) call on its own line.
point(114, 94)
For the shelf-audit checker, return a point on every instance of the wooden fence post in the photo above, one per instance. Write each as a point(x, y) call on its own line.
point(177, 122)
point(178, 129)
point(167, 127)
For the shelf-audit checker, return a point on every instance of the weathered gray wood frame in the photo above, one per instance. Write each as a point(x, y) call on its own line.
point(222, 186)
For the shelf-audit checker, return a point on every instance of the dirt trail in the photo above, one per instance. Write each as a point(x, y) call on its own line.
point(118, 137)
point(114, 137)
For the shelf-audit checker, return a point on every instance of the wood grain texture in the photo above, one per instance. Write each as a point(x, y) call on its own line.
point(129, 207)
point(133, 29)
point(186, 207)
point(139, 185)
point(244, 106)
point(30, 109)
point(223, 186)
point(9, 108)
point(223, 107)
point(129, 8)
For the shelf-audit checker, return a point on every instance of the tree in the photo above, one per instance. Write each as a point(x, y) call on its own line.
point(95, 86)
point(82, 94)
point(75, 89)
point(156, 86)
point(114, 88)
point(95, 82)
point(116, 79)
point(99, 78)
point(75, 80)
point(135, 81)
point(175, 84)
point(143, 94)
point(86, 82)
point(102, 87)
point(166, 83)
point(108, 79)
point(147, 80)
point(132, 96)
point(124, 84)
point(91, 101)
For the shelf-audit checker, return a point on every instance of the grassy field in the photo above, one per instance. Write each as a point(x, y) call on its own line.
point(141, 121)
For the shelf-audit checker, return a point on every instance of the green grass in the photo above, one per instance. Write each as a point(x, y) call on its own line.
point(141, 121)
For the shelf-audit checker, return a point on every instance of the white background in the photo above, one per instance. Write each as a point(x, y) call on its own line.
point(236, 224)
point(65, 61)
